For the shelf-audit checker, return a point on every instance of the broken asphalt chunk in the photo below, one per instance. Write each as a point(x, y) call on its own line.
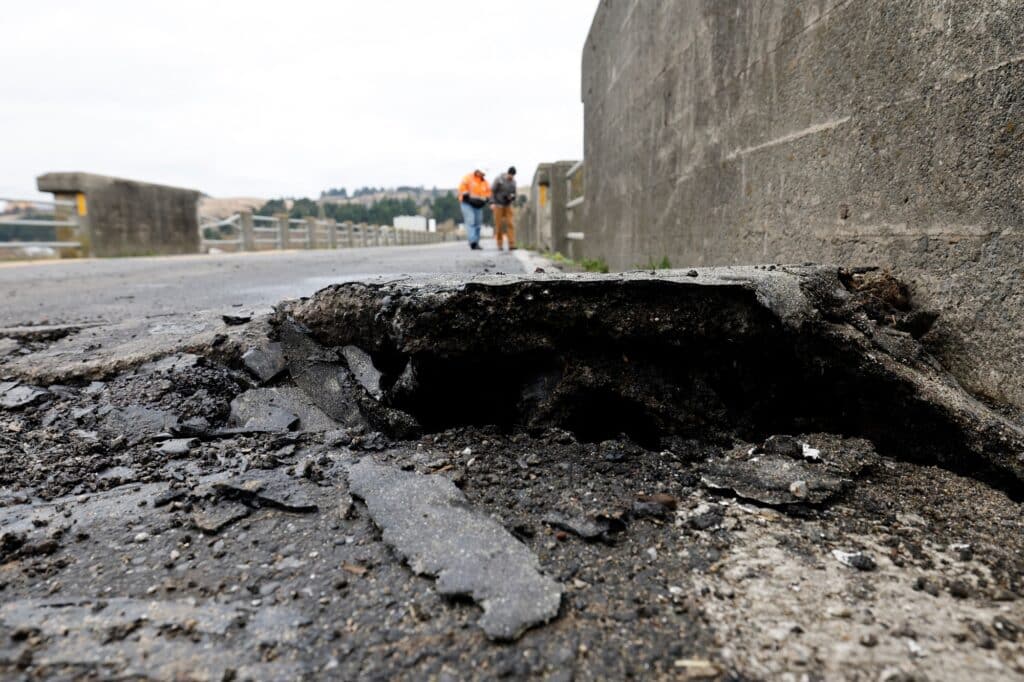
point(177, 447)
point(265, 362)
point(277, 409)
point(327, 383)
point(257, 410)
point(586, 527)
point(137, 421)
point(16, 395)
point(428, 521)
point(8, 346)
point(334, 388)
point(659, 504)
point(213, 517)
point(271, 487)
point(773, 479)
point(232, 320)
point(361, 365)
point(862, 561)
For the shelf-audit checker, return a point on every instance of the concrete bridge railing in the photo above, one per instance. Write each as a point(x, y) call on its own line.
point(29, 227)
point(245, 231)
point(552, 217)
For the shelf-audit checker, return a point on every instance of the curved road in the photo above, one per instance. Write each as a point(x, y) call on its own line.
point(111, 290)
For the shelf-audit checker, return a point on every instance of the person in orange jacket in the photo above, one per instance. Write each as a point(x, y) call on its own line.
point(474, 193)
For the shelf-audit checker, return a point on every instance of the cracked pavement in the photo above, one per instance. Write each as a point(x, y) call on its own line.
point(737, 473)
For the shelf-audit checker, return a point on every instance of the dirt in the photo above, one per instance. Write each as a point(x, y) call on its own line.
point(694, 530)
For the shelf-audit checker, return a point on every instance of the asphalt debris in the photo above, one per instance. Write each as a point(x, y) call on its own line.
point(427, 521)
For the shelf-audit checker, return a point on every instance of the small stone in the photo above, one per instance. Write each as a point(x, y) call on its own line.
point(234, 320)
point(466, 452)
point(923, 584)
point(1006, 628)
point(959, 589)
point(141, 537)
point(177, 447)
point(798, 489)
point(859, 560)
point(980, 635)
point(782, 445)
point(659, 504)
point(963, 551)
point(1004, 595)
point(697, 668)
point(707, 516)
point(583, 526)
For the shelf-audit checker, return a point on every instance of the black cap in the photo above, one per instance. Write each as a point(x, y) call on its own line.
point(511, 170)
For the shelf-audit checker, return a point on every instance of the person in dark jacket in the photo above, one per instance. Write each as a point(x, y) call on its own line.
point(503, 194)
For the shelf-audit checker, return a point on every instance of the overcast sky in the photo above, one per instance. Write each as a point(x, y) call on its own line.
point(270, 98)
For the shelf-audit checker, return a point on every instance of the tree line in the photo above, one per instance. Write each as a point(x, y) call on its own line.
point(381, 212)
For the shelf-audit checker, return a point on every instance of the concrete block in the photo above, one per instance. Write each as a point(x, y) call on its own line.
point(128, 217)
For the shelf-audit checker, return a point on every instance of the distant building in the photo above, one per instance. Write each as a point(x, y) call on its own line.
point(415, 222)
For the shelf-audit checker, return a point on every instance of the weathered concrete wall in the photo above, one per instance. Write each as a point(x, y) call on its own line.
point(887, 133)
point(130, 218)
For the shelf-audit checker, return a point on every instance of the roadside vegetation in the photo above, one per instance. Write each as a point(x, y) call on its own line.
point(441, 207)
point(583, 265)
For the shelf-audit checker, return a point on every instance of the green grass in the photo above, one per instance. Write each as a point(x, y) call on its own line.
point(663, 264)
point(598, 264)
point(594, 264)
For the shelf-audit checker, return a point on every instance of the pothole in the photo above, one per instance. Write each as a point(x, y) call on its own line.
point(722, 357)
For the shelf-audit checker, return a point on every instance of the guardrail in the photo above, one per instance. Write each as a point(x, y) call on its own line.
point(247, 232)
point(58, 223)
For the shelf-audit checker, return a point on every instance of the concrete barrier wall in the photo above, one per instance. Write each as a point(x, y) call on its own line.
point(130, 218)
point(884, 133)
point(543, 220)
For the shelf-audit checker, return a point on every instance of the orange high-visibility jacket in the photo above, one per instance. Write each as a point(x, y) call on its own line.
point(477, 187)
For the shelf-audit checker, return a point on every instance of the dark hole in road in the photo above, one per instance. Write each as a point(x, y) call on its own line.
point(717, 389)
point(649, 359)
point(662, 360)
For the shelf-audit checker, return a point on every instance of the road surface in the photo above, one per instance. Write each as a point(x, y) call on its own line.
point(112, 290)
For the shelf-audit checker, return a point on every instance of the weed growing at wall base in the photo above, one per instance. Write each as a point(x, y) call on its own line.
point(598, 264)
point(663, 264)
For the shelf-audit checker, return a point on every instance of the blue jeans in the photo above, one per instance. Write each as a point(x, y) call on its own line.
point(473, 218)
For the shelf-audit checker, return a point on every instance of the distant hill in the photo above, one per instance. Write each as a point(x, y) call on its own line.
point(219, 208)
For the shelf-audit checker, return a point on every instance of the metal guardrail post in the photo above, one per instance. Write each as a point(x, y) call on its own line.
point(349, 236)
point(376, 235)
point(332, 233)
point(245, 226)
point(283, 234)
point(310, 232)
point(364, 234)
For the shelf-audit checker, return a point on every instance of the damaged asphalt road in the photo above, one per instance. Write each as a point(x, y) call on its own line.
point(745, 474)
